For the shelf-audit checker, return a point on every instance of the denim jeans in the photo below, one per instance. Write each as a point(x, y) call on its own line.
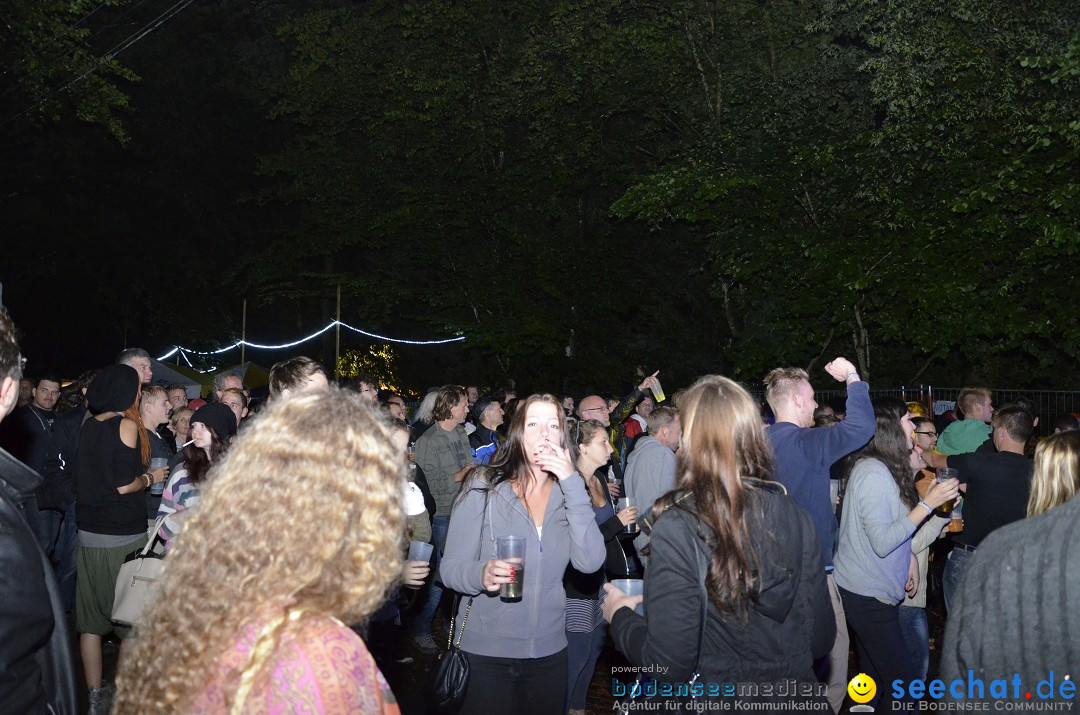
point(64, 555)
point(954, 570)
point(582, 650)
point(44, 523)
point(433, 591)
point(917, 637)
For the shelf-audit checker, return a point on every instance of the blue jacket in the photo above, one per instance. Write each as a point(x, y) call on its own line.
point(804, 455)
point(535, 626)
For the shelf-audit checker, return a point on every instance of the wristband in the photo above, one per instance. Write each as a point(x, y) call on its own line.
point(926, 506)
point(850, 375)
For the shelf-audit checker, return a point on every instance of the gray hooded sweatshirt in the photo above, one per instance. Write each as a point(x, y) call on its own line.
point(535, 626)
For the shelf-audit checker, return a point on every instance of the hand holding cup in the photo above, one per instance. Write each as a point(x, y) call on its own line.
point(496, 573)
point(941, 492)
point(616, 599)
point(415, 573)
point(628, 516)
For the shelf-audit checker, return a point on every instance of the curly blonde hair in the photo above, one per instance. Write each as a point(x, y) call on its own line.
point(304, 512)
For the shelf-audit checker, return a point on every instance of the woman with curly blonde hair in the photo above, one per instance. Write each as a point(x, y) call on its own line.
point(251, 612)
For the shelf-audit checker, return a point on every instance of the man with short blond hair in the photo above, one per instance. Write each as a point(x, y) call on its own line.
point(803, 457)
point(968, 434)
point(781, 382)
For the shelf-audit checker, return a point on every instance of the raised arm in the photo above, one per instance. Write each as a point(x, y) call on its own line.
point(856, 429)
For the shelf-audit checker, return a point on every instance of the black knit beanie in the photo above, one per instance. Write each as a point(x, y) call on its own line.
point(218, 417)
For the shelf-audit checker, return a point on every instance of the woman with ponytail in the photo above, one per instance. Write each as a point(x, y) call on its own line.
point(110, 478)
point(735, 588)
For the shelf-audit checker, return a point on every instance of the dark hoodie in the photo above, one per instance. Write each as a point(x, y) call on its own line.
point(791, 624)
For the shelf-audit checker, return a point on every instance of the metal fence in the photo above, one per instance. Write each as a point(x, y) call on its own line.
point(1049, 404)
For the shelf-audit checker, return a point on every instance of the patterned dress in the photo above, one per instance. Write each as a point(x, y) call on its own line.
point(318, 666)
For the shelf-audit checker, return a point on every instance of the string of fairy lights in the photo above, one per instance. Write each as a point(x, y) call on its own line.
point(283, 346)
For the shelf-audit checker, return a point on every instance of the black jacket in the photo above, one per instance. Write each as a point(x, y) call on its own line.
point(36, 663)
point(59, 472)
point(616, 563)
point(791, 624)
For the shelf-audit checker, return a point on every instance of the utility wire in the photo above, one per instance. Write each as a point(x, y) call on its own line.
point(70, 50)
point(131, 40)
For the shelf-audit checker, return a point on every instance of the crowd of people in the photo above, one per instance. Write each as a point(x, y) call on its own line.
point(717, 542)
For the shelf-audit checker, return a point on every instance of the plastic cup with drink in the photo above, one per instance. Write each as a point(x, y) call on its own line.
point(658, 392)
point(943, 474)
point(512, 550)
point(158, 488)
point(626, 503)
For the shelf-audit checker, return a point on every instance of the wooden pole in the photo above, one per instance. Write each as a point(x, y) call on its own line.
point(243, 337)
point(337, 335)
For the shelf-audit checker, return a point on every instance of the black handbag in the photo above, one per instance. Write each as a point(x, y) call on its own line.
point(450, 679)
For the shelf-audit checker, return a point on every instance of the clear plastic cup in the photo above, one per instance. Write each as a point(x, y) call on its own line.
point(420, 551)
point(158, 488)
point(658, 392)
point(512, 549)
point(626, 503)
point(632, 587)
point(943, 474)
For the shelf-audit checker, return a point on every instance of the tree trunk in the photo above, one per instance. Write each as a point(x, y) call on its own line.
point(862, 344)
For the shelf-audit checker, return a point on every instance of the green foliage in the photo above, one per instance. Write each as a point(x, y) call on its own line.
point(379, 361)
point(53, 69)
point(583, 188)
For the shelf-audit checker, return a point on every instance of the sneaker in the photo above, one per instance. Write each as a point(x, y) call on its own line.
point(425, 644)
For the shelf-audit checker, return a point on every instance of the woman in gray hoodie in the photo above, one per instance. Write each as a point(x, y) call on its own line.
point(517, 649)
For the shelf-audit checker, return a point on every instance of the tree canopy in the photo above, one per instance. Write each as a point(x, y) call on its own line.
point(591, 188)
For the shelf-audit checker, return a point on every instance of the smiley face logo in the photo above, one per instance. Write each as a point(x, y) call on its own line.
point(862, 688)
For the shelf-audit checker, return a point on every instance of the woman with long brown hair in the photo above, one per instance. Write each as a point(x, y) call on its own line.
point(735, 589)
point(110, 478)
point(875, 566)
point(251, 611)
point(517, 648)
point(212, 426)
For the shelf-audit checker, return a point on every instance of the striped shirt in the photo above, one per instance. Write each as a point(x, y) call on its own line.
point(179, 497)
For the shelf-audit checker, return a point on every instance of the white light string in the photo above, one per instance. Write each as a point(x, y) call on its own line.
point(331, 324)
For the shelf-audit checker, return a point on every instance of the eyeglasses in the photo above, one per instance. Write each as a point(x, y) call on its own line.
point(929, 434)
point(595, 409)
